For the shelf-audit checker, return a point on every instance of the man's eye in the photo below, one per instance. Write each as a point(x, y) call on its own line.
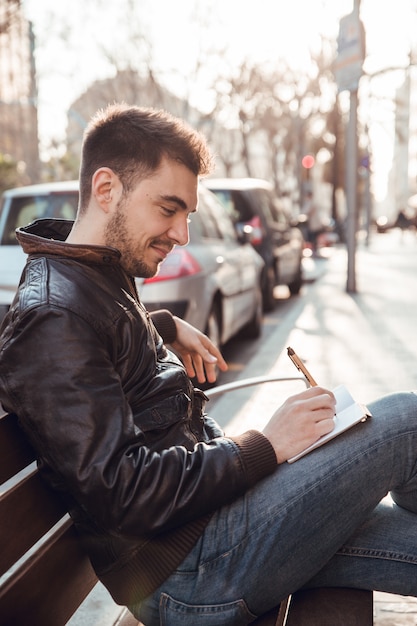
point(168, 212)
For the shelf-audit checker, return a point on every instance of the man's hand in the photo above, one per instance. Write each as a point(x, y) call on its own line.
point(200, 356)
point(300, 421)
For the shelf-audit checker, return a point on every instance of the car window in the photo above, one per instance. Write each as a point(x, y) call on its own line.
point(228, 202)
point(215, 222)
point(236, 203)
point(26, 209)
point(242, 206)
point(271, 208)
point(266, 204)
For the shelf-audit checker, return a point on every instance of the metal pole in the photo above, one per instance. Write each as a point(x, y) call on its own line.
point(351, 181)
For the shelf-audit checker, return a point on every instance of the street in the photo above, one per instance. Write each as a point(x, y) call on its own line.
point(365, 340)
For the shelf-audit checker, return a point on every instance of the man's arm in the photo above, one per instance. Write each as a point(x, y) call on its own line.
point(300, 422)
point(89, 426)
point(200, 356)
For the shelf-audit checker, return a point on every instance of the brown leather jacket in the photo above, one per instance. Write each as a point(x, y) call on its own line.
point(119, 429)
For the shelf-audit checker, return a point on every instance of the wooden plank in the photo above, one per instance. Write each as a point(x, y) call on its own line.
point(50, 586)
point(331, 606)
point(28, 510)
point(15, 451)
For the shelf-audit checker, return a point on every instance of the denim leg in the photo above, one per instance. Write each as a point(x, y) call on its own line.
point(282, 534)
point(381, 555)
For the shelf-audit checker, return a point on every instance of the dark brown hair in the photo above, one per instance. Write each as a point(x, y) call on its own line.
point(132, 140)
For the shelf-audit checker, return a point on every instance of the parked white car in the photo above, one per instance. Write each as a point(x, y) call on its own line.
point(20, 206)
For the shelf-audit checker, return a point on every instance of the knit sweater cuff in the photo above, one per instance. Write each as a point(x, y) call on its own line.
point(257, 453)
point(165, 325)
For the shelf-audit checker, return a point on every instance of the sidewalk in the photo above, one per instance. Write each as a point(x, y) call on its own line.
point(367, 340)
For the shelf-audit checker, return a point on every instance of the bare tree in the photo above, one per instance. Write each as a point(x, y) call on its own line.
point(278, 112)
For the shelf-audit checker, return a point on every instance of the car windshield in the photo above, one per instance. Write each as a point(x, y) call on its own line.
point(237, 206)
point(26, 209)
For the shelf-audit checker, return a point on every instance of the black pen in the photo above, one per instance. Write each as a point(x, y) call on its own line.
point(300, 366)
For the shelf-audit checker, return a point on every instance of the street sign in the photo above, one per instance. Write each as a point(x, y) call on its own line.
point(347, 67)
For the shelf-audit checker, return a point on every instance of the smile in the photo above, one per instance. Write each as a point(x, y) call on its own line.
point(162, 250)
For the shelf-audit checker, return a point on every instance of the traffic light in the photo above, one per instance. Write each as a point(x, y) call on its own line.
point(308, 161)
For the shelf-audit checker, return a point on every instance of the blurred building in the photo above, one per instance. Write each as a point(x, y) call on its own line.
point(129, 86)
point(18, 94)
point(126, 86)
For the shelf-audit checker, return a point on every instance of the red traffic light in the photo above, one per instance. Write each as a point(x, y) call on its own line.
point(308, 161)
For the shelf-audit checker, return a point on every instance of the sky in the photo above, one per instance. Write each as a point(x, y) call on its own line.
point(71, 42)
point(261, 30)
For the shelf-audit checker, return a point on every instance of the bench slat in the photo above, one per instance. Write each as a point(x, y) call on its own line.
point(331, 606)
point(27, 512)
point(51, 585)
point(15, 451)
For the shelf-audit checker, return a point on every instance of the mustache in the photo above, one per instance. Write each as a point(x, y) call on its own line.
point(163, 243)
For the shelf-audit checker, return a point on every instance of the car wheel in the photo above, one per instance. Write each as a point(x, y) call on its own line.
point(268, 284)
point(253, 328)
point(297, 283)
point(213, 332)
point(213, 327)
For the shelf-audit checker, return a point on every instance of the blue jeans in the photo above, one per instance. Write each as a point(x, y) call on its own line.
point(317, 522)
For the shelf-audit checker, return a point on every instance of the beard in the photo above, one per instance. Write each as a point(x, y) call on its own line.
point(117, 236)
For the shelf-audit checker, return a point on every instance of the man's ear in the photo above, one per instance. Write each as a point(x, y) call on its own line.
point(106, 188)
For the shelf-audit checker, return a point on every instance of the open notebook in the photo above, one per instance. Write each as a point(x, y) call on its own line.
point(348, 413)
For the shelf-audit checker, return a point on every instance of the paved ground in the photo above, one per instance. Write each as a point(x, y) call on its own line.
point(394, 610)
point(366, 340)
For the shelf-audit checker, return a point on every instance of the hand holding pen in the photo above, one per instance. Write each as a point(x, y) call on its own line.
point(302, 419)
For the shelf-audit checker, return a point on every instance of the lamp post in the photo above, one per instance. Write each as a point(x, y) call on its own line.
point(348, 70)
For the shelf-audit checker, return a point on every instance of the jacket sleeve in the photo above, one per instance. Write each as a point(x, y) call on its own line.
point(164, 324)
point(72, 404)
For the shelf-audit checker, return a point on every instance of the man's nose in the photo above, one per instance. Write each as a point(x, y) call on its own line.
point(179, 231)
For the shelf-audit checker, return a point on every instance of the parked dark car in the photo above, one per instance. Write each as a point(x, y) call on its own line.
point(253, 206)
point(404, 220)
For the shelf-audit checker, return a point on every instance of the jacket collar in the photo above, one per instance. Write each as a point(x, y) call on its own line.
point(47, 236)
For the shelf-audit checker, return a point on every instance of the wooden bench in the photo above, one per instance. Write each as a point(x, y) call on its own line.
point(45, 575)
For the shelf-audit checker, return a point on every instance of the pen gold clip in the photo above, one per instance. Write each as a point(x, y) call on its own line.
point(300, 366)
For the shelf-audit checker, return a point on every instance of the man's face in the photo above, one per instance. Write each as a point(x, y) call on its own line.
point(153, 218)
